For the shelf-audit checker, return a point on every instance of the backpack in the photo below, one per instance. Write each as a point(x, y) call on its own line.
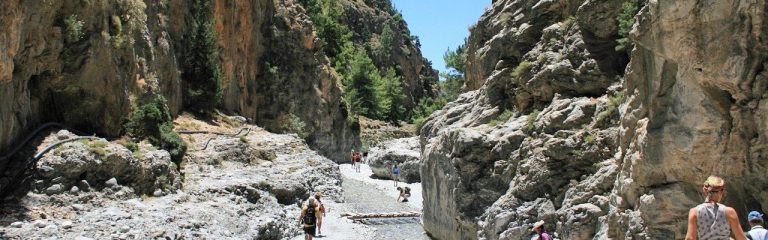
point(309, 217)
point(407, 190)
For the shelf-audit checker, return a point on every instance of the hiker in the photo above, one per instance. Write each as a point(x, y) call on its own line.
point(405, 193)
point(395, 173)
point(309, 215)
point(538, 228)
point(357, 161)
point(712, 220)
point(756, 231)
point(321, 207)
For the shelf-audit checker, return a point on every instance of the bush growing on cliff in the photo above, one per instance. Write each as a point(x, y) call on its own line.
point(74, 28)
point(326, 16)
point(152, 120)
point(202, 74)
point(626, 20)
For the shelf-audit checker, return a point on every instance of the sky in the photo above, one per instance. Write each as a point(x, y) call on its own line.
point(440, 24)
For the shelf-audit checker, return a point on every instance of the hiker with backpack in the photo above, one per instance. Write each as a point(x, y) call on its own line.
point(756, 231)
point(395, 173)
point(321, 208)
point(405, 193)
point(308, 218)
point(712, 220)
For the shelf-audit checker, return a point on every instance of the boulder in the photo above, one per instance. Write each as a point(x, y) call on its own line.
point(404, 151)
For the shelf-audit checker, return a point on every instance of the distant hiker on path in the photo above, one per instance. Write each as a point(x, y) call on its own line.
point(541, 233)
point(321, 208)
point(309, 215)
point(712, 220)
point(405, 193)
point(395, 173)
point(756, 231)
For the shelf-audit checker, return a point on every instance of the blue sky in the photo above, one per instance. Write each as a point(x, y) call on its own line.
point(440, 24)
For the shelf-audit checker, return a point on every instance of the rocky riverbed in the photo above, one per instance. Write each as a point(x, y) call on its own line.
point(246, 186)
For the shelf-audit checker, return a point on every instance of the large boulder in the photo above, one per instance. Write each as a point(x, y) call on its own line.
point(404, 151)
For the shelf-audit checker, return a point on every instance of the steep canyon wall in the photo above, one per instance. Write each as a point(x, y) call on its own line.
point(560, 124)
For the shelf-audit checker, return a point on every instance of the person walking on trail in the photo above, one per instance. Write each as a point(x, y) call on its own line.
point(541, 233)
point(405, 193)
point(321, 208)
point(757, 231)
point(711, 219)
point(357, 161)
point(395, 173)
point(308, 218)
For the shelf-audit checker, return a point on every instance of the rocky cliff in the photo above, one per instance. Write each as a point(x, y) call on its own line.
point(554, 127)
point(82, 63)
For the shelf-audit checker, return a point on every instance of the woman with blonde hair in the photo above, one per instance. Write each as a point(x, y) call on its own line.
point(711, 219)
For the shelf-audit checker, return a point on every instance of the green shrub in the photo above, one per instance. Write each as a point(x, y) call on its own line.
point(522, 68)
point(626, 20)
point(74, 28)
point(589, 138)
point(501, 118)
point(151, 120)
point(296, 125)
point(531, 120)
point(613, 104)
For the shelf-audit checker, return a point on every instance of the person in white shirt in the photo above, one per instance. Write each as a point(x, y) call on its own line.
point(757, 232)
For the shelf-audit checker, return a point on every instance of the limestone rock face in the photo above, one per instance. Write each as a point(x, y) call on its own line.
point(536, 138)
point(697, 84)
point(404, 151)
point(555, 128)
point(82, 63)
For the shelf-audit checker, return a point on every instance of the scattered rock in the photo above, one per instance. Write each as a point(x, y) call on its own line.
point(158, 193)
point(125, 229)
point(54, 189)
point(84, 185)
point(74, 189)
point(17, 224)
point(112, 183)
point(78, 207)
point(66, 224)
point(39, 224)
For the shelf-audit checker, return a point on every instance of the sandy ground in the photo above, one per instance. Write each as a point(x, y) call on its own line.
point(336, 227)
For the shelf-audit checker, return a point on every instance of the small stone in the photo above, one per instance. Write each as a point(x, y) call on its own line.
point(84, 185)
point(112, 182)
point(39, 224)
point(46, 168)
point(158, 192)
point(74, 189)
point(125, 229)
point(56, 188)
point(158, 234)
point(83, 238)
point(78, 207)
point(58, 180)
point(17, 224)
point(66, 224)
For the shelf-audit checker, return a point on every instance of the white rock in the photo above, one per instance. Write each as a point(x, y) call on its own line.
point(17, 224)
point(66, 224)
point(112, 182)
point(74, 189)
point(158, 193)
point(39, 224)
point(125, 229)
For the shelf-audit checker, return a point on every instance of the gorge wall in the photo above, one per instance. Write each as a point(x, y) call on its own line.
point(561, 124)
point(83, 63)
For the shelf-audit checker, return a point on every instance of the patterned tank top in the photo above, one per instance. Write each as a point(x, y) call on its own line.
point(711, 223)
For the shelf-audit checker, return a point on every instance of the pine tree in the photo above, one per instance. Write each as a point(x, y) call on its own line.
point(360, 78)
point(202, 74)
point(391, 90)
